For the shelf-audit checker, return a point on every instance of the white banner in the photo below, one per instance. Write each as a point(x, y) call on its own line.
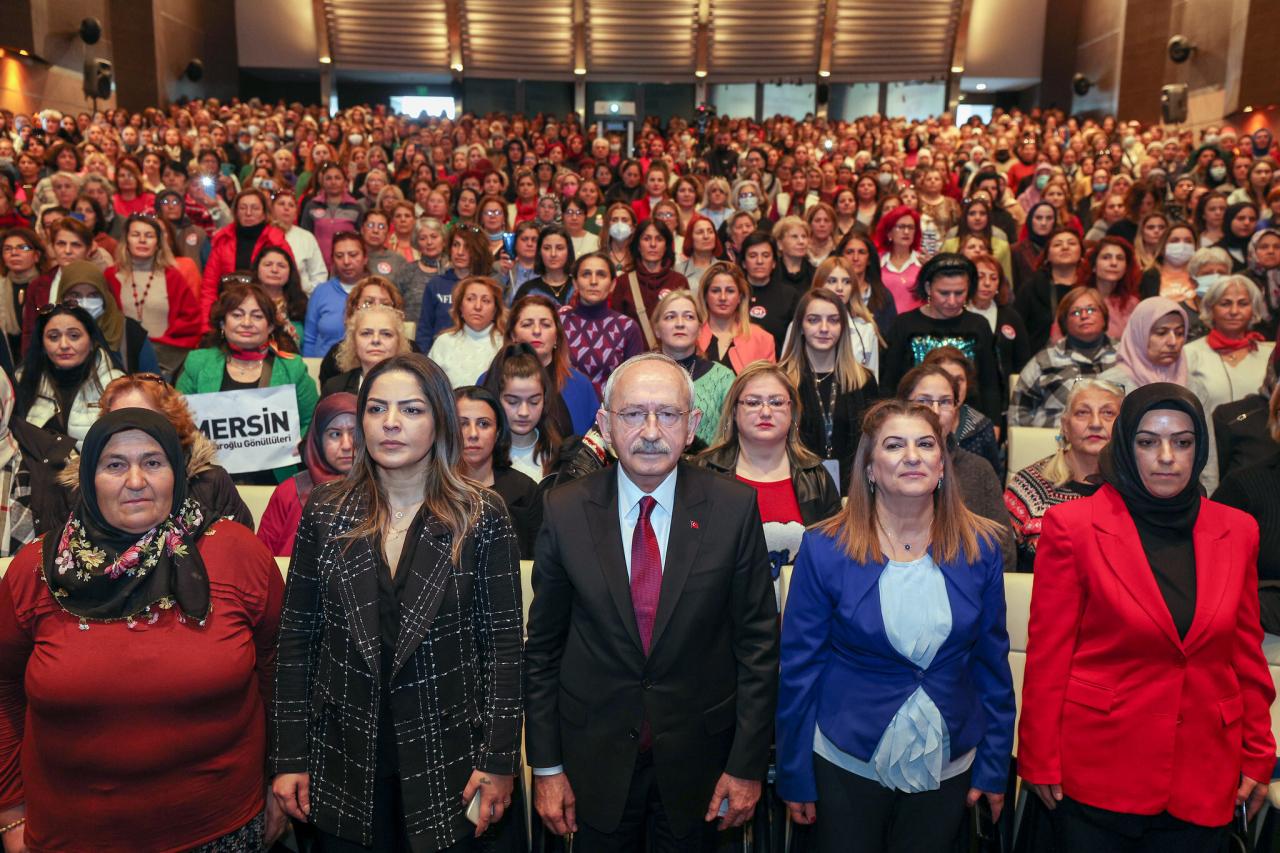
point(254, 430)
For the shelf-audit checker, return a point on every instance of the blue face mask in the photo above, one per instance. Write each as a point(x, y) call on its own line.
point(1204, 282)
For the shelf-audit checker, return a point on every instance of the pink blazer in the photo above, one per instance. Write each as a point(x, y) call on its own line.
point(755, 345)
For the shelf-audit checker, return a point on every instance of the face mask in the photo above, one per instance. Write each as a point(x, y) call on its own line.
point(93, 305)
point(884, 179)
point(253, 130)
point(1042, 181)
point(1129, 140)
point(1203, 282)
point(244, 146)
point(1178, 253)
point(748, 203)
point(1002, 156)
point(355, 139)
point(619, 231)
point(1211, 139)
point(1099, 188)
point(1159, 176)
point(1218, 174)
point(615, 148)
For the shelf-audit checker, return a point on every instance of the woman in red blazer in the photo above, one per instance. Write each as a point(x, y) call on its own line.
point(1145, 706)
point(235, 246)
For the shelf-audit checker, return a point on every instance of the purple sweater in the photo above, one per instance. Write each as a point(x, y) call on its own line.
point(599, 340)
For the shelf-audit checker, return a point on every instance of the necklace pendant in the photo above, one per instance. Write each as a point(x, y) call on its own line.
point(905, 545)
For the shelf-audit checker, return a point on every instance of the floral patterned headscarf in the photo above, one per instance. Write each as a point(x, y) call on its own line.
point(97, 571)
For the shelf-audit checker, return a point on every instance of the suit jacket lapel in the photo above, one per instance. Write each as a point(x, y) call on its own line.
point(1118, 540)
point(606, 533)
point(687, 520)
point(1215, 567)
point(960, 579)
point(424, 588)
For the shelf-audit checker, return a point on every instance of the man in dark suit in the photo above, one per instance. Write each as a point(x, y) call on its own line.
point(652, 653)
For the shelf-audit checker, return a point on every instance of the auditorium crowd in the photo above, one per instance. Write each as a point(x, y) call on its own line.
point(742, 359)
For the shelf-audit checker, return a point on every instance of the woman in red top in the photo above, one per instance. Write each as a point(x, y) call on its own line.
point(1145, 707)
point(759, 444)
point(152, 290)
point(137, 644)
point(327, 452)
point(237, 245)
point(653, 252)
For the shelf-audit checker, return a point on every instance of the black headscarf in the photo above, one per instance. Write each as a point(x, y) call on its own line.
point(1164, 525)
point(97, 571)
point(1229, 238)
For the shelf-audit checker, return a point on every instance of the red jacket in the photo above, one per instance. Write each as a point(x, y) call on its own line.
point(222, 261)
point(185, 320)
point(1118, 709)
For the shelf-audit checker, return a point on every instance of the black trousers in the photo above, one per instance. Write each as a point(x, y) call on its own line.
point(857, 815)
point(643, 818)
point(1087, 829)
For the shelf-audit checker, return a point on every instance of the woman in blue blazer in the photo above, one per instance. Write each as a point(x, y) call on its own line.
point(896, 704)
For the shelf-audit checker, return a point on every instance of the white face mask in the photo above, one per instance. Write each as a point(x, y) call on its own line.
point(748, 203)
point(94, 305)
point(355, 139)
point(1178, 253)
point(619, 231)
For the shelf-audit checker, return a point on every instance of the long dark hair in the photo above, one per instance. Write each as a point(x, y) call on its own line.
point(295, 298)
point(519, 361)
point(880, 296)
point(501, 444)
point(447, 495)
point(36, 364)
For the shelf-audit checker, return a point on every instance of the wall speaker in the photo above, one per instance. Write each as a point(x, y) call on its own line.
point(97, 78)
point(1173, 103)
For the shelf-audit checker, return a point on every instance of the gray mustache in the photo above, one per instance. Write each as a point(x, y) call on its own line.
point(656, 446)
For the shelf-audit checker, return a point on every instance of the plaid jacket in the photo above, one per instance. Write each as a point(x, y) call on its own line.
point(456, 684)
point(1041, 393)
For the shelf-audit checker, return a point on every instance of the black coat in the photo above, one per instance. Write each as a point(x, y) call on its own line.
point(846, 426)
point(524, 501)
point(1241, 436)
point(45, 454)
point(815, 492)
point(455, 684)
point(708, 687)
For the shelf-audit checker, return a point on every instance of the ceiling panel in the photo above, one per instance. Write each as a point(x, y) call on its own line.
point(747, 39)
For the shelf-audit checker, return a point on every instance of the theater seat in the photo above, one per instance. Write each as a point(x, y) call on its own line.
point(4, 565)
point(410, 330)
point(1017, 597)
point(256, 498)
point(313, 368)
point(1028, 445)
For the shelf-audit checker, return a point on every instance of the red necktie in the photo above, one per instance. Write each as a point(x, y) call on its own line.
point(646, 572)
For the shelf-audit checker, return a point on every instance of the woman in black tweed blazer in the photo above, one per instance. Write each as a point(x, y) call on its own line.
point(398, 688)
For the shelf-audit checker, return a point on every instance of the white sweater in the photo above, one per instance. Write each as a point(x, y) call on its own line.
point(465, 354)
point(306, 254)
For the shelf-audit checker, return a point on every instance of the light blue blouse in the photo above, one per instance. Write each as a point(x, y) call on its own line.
point(914, 752)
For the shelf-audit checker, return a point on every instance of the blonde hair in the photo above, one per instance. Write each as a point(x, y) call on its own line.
point(727, 436)
point(669, 297)
point(346, 354)
point(787, 224)
point(1057, 470)
point(956, 531)
point(856, 306)
point(849, 374)
point(743, 321)
point(163, 258)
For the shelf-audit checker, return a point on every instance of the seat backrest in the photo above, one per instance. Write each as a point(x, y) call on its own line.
point(1030, 444)
point(256, 499)
point(313, 368)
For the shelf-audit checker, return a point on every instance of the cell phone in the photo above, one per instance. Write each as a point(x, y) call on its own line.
point(473, 809)
point(983, 825)
point(509, 244)
point(208, 184)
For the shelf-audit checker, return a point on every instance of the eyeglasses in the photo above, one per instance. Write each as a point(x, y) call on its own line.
point(13, 249)
point(376, 226)
point(753, 404)
point(940, 404)
point(235, 278)
point(633, 418)
point(1086, 311)
point(169, 201)
point(905, 227)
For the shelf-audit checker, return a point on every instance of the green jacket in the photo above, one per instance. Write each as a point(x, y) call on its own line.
point(204, 368)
